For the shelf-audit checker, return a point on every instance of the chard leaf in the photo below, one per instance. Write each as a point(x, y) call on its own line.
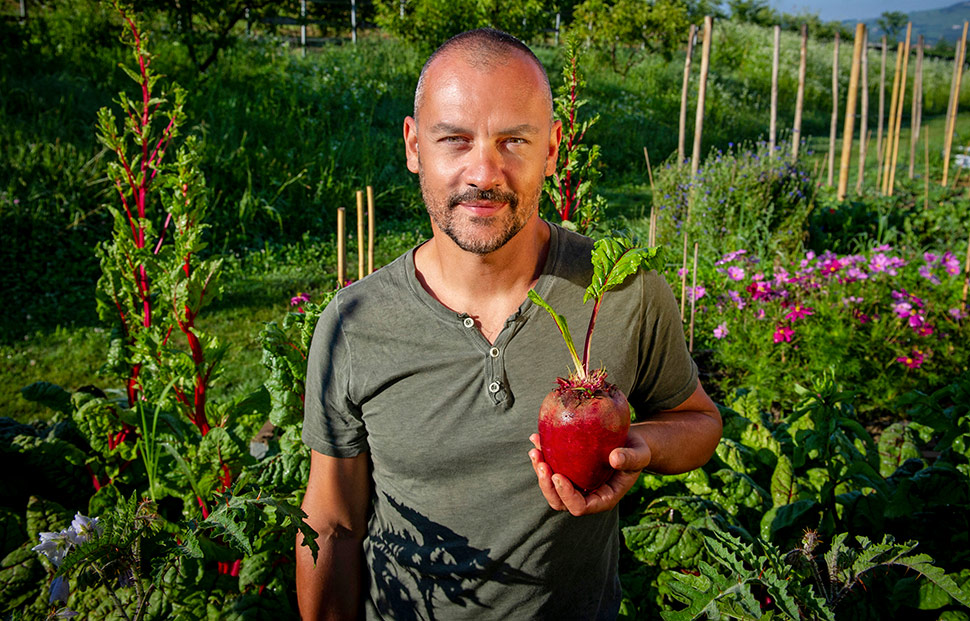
point(784, 486)
point(616, 258)
point(49, 395)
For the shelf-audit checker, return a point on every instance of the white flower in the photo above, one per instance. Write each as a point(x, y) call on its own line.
point(54, 546)
point(83, 529)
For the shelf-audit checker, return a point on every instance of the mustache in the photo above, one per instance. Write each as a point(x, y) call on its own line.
point(493, 196)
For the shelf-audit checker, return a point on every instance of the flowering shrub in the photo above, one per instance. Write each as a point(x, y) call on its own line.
point(887, 319)
point(746, 197)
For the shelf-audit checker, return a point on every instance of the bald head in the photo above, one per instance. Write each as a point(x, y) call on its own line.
point(482, 49)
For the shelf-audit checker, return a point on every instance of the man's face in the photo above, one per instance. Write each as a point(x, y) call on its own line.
point(485, 144)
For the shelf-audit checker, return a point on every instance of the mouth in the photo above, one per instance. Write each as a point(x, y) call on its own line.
point(482, 209)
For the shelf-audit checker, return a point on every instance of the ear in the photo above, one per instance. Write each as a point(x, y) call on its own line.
point(411, 143)
point(552, 156)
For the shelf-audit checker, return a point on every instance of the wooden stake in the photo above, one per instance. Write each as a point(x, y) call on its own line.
point(701, 97)
point(882, 111)
point(952, 121)
point(887, 150)
point(899, 109)
point(341, 225)
point(966, 276)
point(370, 229)
point(683, 279)
point(926, 177)
point(849, 127)
point(360, 235)
point(681, 137)
point(773, 126)
point(652, 235)
point(834, 125)
point(863, 113)
point(796, 131)
point(916, 109)
point(693, 299)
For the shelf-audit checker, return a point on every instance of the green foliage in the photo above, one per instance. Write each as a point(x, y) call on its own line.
point(429, 23)
point(628, 30)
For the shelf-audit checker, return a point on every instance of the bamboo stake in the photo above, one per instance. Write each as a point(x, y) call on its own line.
point(796, 132)
point(834, 125)
point(953, 84)
point(701, 96)
point(370, 229)
point(683, 279)
point(773, 126)
point(693, 299)
point(887, 150)
point(683, 96)
point(360, 235)
point(341, 222)
point(849, 126)
point(899, 110)
point(948, 143)
point(652, 235)
point(916, 109)
point(882, 111)
point(863, 113)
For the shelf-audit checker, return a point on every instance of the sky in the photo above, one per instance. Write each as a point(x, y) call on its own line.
point(837, 10)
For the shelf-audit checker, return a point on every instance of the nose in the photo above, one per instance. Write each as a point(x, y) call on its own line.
point(484, 169)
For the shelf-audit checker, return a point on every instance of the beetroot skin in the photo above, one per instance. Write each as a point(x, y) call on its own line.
point(578, 429)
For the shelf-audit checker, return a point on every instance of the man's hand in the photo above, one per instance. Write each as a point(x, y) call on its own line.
point(562, 495)
point(669, 442)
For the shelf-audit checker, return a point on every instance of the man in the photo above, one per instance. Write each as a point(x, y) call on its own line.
point(425, 379)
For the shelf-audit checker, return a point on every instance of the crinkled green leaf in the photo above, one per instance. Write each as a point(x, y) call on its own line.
point(45, 516)
point(49, 395)
point(22, 577)
point(615, 259)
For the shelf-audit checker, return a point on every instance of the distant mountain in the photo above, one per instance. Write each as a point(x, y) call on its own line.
point(933, 24)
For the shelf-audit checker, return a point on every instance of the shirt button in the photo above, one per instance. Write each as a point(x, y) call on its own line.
point(494, 352)
point(493, 387)
point(469, 322)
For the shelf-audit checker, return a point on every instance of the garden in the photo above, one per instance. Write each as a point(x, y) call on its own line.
point(170, 233)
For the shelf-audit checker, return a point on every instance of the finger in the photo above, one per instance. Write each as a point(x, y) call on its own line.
point(535, 441)
point(571, 498)
point(544, 477)
point(630, 459)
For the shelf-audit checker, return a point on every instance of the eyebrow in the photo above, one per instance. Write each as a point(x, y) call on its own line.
point(515, 130)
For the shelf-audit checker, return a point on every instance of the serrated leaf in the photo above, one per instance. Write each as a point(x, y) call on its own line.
point(615, 259)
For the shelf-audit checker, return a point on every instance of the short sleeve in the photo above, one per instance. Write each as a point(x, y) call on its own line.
point(332, 423)
point(667, 375)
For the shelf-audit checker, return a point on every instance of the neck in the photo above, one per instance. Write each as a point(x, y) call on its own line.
point(488, 287)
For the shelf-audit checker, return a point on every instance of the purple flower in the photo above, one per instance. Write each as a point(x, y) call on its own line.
point(957, 313)
point(854, 273)
point(736, 298)
point(925, 272)
point(735, 273)
point(720, 331)
point(902, 309)
point(930, 258)
point(731, 256)
point(697, 292)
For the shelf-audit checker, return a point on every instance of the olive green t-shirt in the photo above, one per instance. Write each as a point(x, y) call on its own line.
point(458, 528)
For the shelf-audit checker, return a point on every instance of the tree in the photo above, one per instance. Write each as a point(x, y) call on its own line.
point(753, 12)
point(892, 23)
point(629, 28)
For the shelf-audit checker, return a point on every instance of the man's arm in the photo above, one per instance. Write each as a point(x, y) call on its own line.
point(336, 503)
point(670, 442)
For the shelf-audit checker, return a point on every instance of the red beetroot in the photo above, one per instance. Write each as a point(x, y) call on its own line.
point(578, 430)
point(582, 421)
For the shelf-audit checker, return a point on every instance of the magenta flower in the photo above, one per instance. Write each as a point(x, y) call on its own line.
point(782, 333)
point(913, 361)
point(831, 266)
point(720, 331)
point(298, 299)
point(924, 330)
point(798, 312)
point(758, 289)
point(930, 258)
point(735, 273)
point(697, 292)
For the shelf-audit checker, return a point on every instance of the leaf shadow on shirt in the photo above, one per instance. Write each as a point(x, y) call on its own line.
point(437, 561)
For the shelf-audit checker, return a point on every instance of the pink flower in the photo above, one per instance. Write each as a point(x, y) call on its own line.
point(782, 333)
point(760, 314)
point(798, 312)
point(736, 298)
point(731, 256)
point(951, 264)
point(924, 330)
point(298, 299)
point(854, 273)
point(957, 313)
point(758, 289)
point(930, 258)
point(720, 331)
point(697, 292)
point(735, 273)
